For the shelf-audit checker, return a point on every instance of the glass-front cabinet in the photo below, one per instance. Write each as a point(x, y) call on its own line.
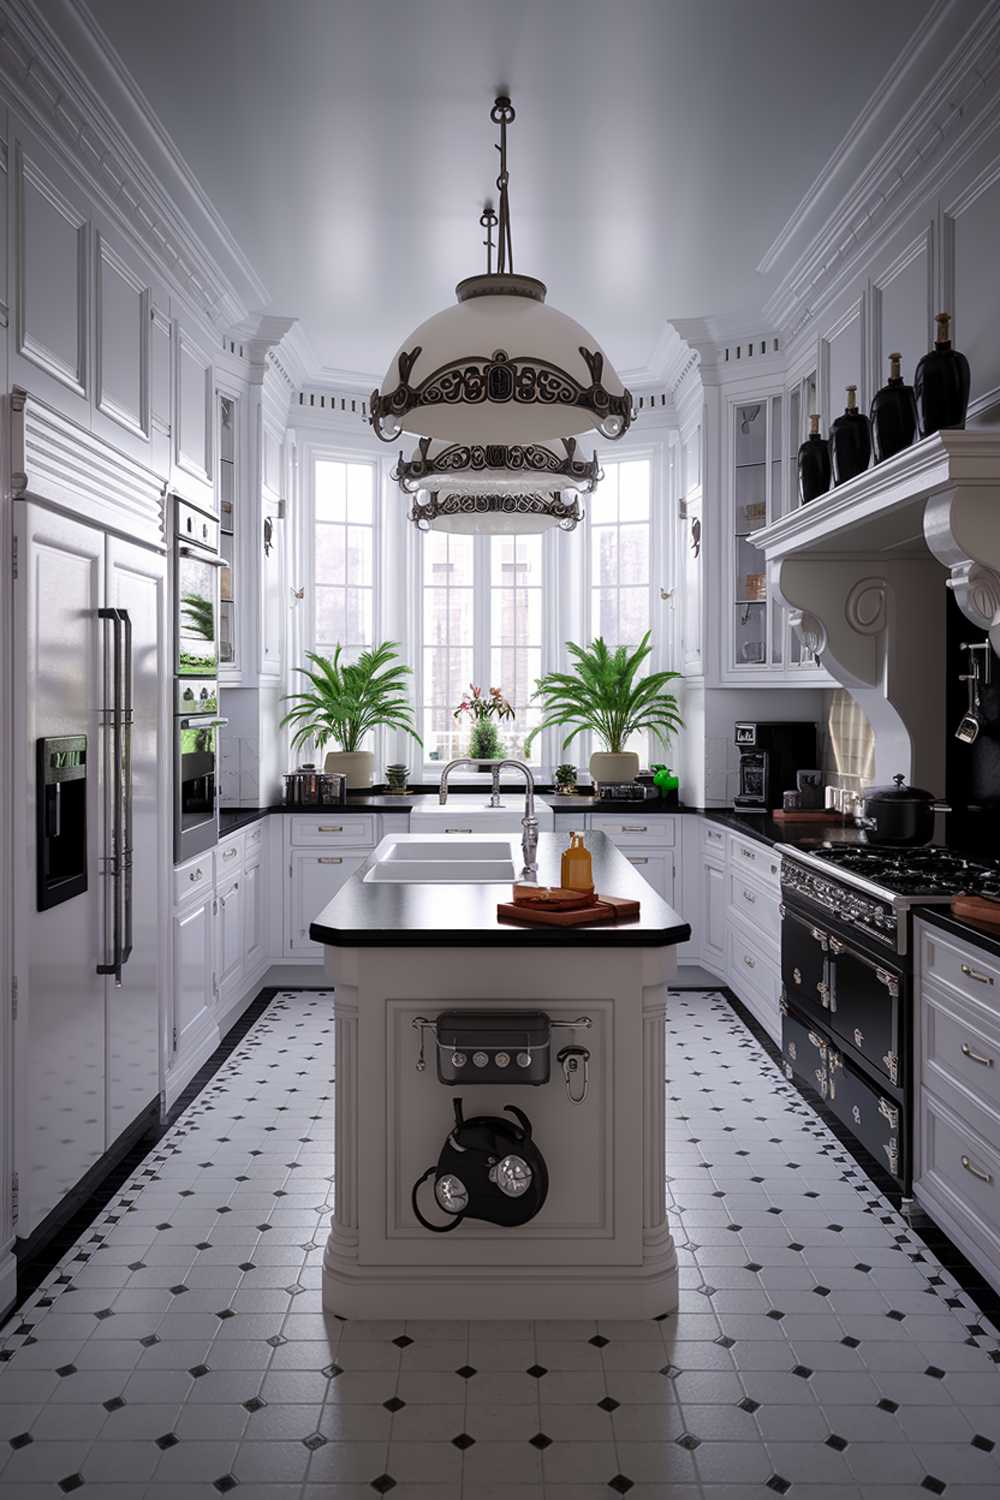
point(765, 433)
point(226, 417)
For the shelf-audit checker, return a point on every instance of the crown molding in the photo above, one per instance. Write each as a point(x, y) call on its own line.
point(70, 82)
point(942, 92)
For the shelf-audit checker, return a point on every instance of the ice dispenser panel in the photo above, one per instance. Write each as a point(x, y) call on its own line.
point(62, 819)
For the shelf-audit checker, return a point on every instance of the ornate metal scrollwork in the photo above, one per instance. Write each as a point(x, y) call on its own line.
point(500, 378)
point(528, 459)
point(565, 512)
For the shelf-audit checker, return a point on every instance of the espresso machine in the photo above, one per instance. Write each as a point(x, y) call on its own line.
point(770, 756)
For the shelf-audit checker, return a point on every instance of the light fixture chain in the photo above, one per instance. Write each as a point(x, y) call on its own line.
point(502, 114)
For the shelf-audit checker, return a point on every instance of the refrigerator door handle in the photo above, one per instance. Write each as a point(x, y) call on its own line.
point(112, 862)
point(128, 719)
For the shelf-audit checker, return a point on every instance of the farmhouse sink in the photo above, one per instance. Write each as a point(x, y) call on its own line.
point(447, 860)
point(466, 814)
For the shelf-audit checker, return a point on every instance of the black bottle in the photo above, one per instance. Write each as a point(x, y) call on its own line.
point(893, 415)
point(941, 383)
point(814, 464)
point(850, 441)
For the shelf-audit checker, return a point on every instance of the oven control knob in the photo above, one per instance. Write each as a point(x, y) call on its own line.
point(480, 1059)
point(524, 1059)
point(502, 1059)
point(458, 1059)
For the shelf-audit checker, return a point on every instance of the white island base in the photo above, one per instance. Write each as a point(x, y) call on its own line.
point(600, 1246)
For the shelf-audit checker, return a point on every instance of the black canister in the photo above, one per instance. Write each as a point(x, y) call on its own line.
point(941, 383)
point(893, 415)
point(850, 441)
point(814, 464)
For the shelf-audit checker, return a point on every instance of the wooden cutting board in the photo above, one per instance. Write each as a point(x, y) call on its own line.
point(603, 909)
point(810, 815)
point(976, 909)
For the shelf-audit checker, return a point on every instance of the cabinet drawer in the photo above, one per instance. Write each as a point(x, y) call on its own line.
point(193, 878)
point(755, 903)
point(966, 970)
point(638, 828)
point(254, 837)
point(961, 1055)
point(962, 1172)
point(334, 827)
point(744, 854)
point(229, 855)
point(751, 964)
point(713, 841)
point(656, 866)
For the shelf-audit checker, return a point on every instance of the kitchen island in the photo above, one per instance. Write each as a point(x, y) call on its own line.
point(399, 950)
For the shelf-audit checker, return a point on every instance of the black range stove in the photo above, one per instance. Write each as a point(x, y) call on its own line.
point(872, 889)
point(847, 978)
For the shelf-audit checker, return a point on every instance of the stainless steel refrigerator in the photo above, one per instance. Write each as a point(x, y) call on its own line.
point(93, 794)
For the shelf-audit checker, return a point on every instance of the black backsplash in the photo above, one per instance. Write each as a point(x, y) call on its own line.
point(972, 771)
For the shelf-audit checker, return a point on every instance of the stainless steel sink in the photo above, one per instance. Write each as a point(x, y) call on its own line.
point(448, 860)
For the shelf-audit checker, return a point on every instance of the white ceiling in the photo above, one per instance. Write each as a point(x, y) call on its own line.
point(659, 146)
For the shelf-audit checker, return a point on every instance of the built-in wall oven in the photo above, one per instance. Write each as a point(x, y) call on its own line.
point(197, 721)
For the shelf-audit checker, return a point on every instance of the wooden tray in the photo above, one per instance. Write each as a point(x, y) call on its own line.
point(807, 815)
point(609, 909)
point(976, 909)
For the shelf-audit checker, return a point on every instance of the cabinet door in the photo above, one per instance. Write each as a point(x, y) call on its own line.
point(254, 917)
point(314, 879)
point(231, 932)
point(655, 866)
point(193, 474)
point(714, 908)
point(271, 543)
point(194, 981)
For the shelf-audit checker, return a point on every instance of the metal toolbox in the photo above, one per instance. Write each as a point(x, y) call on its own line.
point(493, 1046)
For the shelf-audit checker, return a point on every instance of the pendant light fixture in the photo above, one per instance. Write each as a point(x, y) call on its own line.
point(497, 487)
point(500, 367)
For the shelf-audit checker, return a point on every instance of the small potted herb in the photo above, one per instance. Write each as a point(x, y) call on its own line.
point(565, 779)
point(484, 709)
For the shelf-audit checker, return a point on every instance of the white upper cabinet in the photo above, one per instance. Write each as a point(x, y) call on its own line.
point(50, 355)
point(193, 474)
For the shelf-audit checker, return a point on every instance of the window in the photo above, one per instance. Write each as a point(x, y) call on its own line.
point(482, 623)
point(344, 556)
point(620, 541)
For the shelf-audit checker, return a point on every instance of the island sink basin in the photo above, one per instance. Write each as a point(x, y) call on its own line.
point(449, 860)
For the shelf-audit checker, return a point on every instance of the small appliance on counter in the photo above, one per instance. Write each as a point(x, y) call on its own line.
point(624, 791)
point(308, 787)
point(770, 758)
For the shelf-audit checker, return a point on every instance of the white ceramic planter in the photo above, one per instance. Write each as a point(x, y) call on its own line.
point(357, 765)
point(607, 769)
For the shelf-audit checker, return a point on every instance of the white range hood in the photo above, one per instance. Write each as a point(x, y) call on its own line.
point(863, 570)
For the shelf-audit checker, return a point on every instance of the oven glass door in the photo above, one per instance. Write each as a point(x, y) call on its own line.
point(865, 1007)
point(804, 977)
point(197, 623)
point(197, 771)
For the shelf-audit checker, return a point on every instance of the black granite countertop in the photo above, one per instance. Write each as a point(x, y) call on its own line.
point(983, 934)
point(231, 819)
point(465, 916)
point(762, 827)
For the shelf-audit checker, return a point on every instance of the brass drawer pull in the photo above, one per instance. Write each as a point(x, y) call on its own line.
point(458, 830)
point(635, 828)
point(978, 1057)
point(330, 828)
point(639, 859)
point(986, 1177)
point(975, 974)
point(330, 859)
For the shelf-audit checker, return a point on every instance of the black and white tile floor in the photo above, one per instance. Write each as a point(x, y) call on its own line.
point(179, 1350)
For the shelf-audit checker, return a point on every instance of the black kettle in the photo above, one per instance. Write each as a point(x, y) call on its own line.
point(899, 815)
point(489, 1168)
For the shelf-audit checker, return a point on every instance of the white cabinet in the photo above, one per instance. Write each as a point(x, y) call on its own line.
point(194, 980)
point(231, 933)
point(654, 865)
point(314, 878)
point(193, 469)
point(713, 907)
point(254, 914)
point(956, 1172)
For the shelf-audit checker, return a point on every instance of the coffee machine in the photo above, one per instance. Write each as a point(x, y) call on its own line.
point(770, 755)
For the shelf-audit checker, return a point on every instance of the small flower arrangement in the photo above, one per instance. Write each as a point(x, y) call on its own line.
point(483, 708)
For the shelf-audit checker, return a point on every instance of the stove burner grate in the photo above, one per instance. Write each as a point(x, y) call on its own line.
point(929, 871)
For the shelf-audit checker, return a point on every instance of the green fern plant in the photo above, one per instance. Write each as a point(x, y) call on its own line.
point(606, 695)
point(344, 701)
point(199, 615)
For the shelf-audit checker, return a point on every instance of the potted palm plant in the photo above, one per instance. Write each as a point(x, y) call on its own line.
point(606, 695)
point(345, 701)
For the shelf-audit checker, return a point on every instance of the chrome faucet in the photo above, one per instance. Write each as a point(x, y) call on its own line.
point(529, 823)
